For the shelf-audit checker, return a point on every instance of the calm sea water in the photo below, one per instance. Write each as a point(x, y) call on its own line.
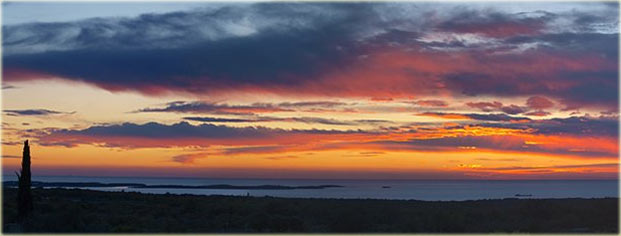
point(431, 190)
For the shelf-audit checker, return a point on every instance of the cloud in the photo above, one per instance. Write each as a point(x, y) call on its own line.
point(497, 159)
point(573, 126)
point(281, 157)
point(10, 156)
point(188, 158)
point(430, 103)
point(497, 117)
point(366, 154)
point(494, 24)
point(603, 165)
point(373, 121)
point(9, 143)
point(446, 115)
point(578, 137)
point(331, 48)
point(199, 107)
point(160, 131)
point(575, 42)
point(309, 120)
point(381, 99)
point(318, 120)
point(513, 109)
point(475, 116)
point(568, 78)
point(34, 112)
point(538, 113)
point(202, 50)
point(497, 106)
point(605, 127)
point(514, 143)
point(579, 126)
point(152, 134)
point(212, 108)
point(539, 103)
point(221, 120)
point(327, 104)
point(485, 106)
point(255, 149)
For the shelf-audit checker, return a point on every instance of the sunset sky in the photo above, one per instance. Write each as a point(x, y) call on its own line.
point(407, 90)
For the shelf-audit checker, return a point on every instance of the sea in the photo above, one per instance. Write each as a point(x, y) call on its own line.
point(427, 190)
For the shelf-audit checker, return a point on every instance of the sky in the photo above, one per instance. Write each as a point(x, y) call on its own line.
point(371, 90)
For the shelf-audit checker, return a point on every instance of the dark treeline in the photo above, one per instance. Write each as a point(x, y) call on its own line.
point(74, 210)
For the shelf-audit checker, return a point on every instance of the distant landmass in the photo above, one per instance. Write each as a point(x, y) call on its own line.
point(137, 185)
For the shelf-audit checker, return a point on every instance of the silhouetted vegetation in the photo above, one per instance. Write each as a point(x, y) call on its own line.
point(24, 196)
point(74, 210)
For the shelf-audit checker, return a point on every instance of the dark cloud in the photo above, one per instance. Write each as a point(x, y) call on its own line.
point(539, 103)
point(372, 121)
point(476, 116)
point(284, 54)
point(582, 126)
point(575, 126)
point(485, 106)
point(34, 112)
point(270, 59)
point(214, 119)
point(10, 156)
point(318, 120)
point(494, 24)
point(573, 87)
point(213, 108)
point(154, 134)
point(575, 43)
point(312, 104)
point(430, 103)
point(198, 107)
point(9, 143)
point(496, 117)
point(497, 106)
point(513, 109)
point(177, 29)
point(154, 130)
point(308, 120)
point(295, 48)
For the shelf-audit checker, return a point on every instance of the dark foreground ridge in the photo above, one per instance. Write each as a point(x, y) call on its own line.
point(135, 185)
point(74, 210)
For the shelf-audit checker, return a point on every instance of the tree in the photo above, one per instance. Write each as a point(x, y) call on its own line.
point(24, 197)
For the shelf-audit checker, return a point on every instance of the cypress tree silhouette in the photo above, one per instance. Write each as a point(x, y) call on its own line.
point(24, 197)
